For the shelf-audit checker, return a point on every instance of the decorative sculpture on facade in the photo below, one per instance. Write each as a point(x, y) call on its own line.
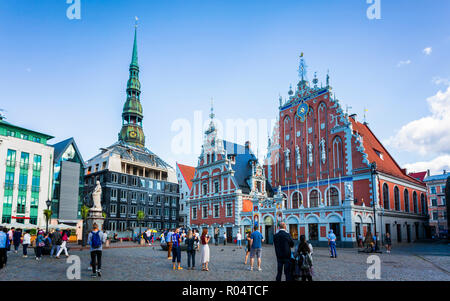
point(287, 158)
point(310, 154)
point(323, 151)
point(348, 191)
point(298, 157)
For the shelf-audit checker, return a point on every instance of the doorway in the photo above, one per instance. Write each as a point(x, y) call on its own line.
point(408, 233)
point(388, 228)
point(357, 229)
point(293, 230)
point(399, 233)
point(336, 227)
point(313, 231)
point(269, 234)
point(229, 234)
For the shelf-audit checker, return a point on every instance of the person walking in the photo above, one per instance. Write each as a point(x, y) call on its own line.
point(360, 241)
point(388, 242)
point(248, 245)
point(216, 236)
point(26, 242)
point(96, 239)
point(176, 249)
point(305, 261)
point(169, 244)
point(224, 238)
point(64, 239)
point(238, 239)
point(192, 247)
point(283, 243)
point(39, 244)
point(17, 237)
point(204, 240)
point(332, 244)
point(56, 242)
point(256, 247)
point(10, 238)
point(4, 239)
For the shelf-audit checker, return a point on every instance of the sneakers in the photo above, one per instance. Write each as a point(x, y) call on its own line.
point(259, 269)
point(94, 275)
point(90, 268)
point(250, 269)
point(169, 257)
point(180, 268)
point(25, 256)
point(99, 273)
point(174, 268)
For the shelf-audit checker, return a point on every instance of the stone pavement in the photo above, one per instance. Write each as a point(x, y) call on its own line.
point(415, 262)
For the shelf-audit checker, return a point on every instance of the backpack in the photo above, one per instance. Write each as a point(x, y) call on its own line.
point(305, 262)
point(96, 242)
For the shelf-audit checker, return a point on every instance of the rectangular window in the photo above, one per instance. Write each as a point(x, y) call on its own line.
point(433, 202)
point(216, 186)
point(123, 209)
point(205, 189)
point(216, 210)
point(35, 183)
point(142, 182)
point(166, 211)
point(24, 160)
point(103, 165)
point(123, 195)
point(114, 178)
point(158, 185)
point(114, 194)
point(21, 204)
point(37, 162)
point(158, 212)
point(194, 213)
point(229, 209)
point(205, 212)
point(435, 215)
point(113, 209)
point(133, 210)
point(433, 189)
point(11, 158)
point(135, 181)
point(123, 179)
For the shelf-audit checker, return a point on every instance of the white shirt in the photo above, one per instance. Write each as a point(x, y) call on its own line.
point(26, 239)
point(239, 236)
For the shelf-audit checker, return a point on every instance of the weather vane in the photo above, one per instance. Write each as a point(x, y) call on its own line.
point(136, 21)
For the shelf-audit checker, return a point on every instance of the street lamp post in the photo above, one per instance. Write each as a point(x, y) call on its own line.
point(373, 172)
point(48, 203)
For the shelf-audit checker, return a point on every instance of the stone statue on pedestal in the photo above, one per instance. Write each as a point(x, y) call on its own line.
point(96, 212)
point(96, 197)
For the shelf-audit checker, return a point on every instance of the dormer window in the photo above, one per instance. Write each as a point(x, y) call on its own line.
point(380, 154)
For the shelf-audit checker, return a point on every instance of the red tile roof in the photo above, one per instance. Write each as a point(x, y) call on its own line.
point(188, 173)
point(372, 145)
point(419, 175)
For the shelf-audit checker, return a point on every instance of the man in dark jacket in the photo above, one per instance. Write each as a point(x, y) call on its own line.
point(56, 242)
point(283, 243)
point(17, 236)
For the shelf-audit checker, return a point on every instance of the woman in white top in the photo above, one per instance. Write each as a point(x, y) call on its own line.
point(238, 239)
point(204, 240)
point(26, 242)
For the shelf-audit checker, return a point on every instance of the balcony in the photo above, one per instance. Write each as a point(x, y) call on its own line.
point(35, 189)
point(124, 200)
point(36, 168)
point(23, 187)
point(24, 165)
point(10, 163)
point(9, 186)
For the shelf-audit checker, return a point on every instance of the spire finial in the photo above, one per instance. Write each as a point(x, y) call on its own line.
point(328, 77)
point(134, 58)
point(136, 22)
point(211, 115)
point(302, 68)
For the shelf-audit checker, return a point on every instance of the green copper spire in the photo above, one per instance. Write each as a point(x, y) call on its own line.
point(132, 115)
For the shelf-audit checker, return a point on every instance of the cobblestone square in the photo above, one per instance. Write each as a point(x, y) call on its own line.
point(416, 262)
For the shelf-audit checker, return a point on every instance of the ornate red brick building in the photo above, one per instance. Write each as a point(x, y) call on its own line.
point(321, 158)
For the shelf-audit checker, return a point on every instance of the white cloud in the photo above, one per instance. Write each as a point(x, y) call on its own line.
point(437, 80)
point(427, 50)
point(430, 134)
point(403, 63)
point(436, 166)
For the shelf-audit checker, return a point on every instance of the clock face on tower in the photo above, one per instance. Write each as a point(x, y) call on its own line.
point(133, 134)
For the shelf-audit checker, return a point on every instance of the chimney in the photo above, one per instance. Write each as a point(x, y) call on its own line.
point(404, 171)
point(428, 172)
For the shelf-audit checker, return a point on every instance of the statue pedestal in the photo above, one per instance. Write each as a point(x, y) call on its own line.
point(95, 216)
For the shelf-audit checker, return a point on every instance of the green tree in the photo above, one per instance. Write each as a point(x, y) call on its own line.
point(84, 214)
point(48, 215)
point(140, 217)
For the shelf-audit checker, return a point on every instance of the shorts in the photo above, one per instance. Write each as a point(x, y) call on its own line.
point(176, 254)
point(255, 252)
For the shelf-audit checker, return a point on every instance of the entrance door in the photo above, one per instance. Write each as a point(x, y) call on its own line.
point(408, 233)
point(229, 234)
point(293, 230)
point(336, 227)
point(416, 225)
point(399, 233)
point(357, 229)
point(388, 228)
point(269, 234)
point(313, 230)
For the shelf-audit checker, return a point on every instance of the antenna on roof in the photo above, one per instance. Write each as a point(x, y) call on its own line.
point(2, 115)
point(346, 109)
point(365, 110)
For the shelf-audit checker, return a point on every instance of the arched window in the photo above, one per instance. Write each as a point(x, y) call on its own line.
point(333, 197)
point(406, 200)
point(296, 200)
point(385, 196)
point(423, 203)
point(337, 156)
point(415, 205)
point(314, 198)
point(397, 198)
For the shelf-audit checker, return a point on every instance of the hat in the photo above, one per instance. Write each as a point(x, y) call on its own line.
point(331, 230)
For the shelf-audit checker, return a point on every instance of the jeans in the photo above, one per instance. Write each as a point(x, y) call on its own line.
point(191, 255)
point(238, 242)
point(333, 248)
point(25, 249)
point(176, 254)
point(54, 250)
point(96, 261)
point(3, 257)
point(16, 247)
point(306, 277)
point(283, 263)
point(39, 252)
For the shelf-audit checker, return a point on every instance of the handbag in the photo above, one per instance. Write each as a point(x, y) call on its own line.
point(41, 244)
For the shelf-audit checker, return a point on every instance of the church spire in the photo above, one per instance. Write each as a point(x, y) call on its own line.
point(132, 132)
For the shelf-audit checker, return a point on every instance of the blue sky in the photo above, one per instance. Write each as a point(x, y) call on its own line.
point(68, 77)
